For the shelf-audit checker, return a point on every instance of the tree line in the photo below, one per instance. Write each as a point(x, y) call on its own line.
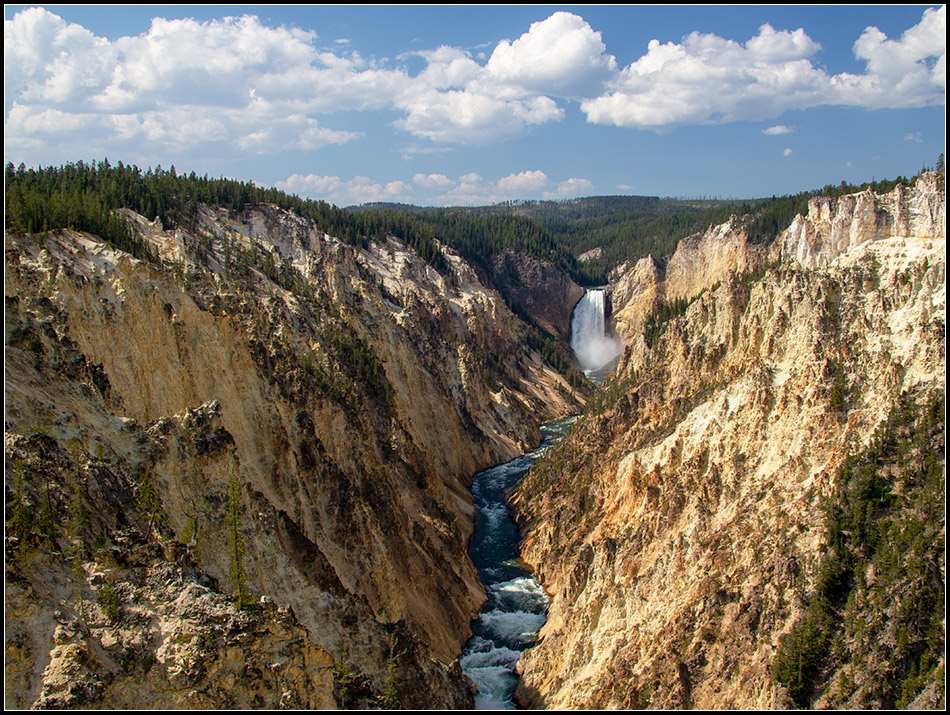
point(84, 196)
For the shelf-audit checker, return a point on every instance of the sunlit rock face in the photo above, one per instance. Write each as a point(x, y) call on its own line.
point(680, 527)
point(830, 228)
point(331, 403)
point(834, 227)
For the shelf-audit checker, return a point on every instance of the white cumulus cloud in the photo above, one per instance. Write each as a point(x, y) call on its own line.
point(456, 99)
point(561, 56)
point(468, 189)
point(180, 84)
point(573, 188)
point(706, 79)
point(433, 181)
point(523, 184)
point(236, 83)
point(471, 116)
point(909, 72)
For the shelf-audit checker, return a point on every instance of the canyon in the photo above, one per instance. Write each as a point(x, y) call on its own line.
point(238, 474)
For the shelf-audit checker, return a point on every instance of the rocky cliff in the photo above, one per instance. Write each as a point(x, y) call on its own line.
point(537, 289)
point(260, 411)
point(750, 513)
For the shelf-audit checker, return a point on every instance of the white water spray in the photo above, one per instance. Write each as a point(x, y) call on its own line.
point(592, 345)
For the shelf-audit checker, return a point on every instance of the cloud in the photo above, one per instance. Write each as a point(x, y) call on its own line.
point(571, 188)
point(433, 181)
point(706, 79)
point(180, 84)
point(909, 72)
point(51, 62)
point(470, 189)
point(778, 130)
point(472, 117)
point(292, 133)
point(710, 80)
point(246, 80)
point(561, 56)
point(455, 99)
point(239, 84)
point(524, 184)
point(413, 150)
point(358, 190)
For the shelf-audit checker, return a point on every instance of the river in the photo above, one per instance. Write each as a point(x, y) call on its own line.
point(517, 604)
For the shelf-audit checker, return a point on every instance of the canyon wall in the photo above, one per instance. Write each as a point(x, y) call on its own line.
point(537, 289)
point(749, 514)
point(260, 410)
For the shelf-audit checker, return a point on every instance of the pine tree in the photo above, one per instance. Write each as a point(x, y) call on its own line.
point(236, 545)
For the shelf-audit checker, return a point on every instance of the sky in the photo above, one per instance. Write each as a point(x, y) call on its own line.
point(476, 104)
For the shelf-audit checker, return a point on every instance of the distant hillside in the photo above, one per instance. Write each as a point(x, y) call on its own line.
point(626, 228)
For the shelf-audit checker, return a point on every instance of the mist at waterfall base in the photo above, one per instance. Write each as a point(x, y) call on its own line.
point(593, 346)
point(517, 604)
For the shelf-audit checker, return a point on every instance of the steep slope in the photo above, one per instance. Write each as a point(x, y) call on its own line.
point(537, 289)
point(271, 413)
point(698, 529)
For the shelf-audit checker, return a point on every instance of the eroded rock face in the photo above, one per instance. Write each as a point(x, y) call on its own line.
point(831, 228)
point(835, 227)
point(537, 289)
point(634, 294)
point(333, 401)
point(165, 641)
point(680, 526)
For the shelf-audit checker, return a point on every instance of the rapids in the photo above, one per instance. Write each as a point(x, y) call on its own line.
point(517, 604)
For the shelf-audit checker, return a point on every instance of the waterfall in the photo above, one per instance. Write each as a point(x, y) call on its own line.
point(591, 343)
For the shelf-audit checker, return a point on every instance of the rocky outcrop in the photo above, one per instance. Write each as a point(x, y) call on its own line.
point(830, 228)
point(537, 289)
point(834, 227)
point(149, 636)
point(634, 294)
point(328, 404)
point(683, 526)
point(699, 263)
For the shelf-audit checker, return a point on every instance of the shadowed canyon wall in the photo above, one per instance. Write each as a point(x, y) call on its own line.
point(265, 411)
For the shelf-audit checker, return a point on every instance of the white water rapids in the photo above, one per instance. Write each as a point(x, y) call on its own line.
point(592, 344)
point(517, 604)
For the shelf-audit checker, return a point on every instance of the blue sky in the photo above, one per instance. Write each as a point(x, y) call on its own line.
point(442, 105)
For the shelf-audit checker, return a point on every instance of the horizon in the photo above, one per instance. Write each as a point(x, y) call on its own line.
point(513, 203)
point(434, 106)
